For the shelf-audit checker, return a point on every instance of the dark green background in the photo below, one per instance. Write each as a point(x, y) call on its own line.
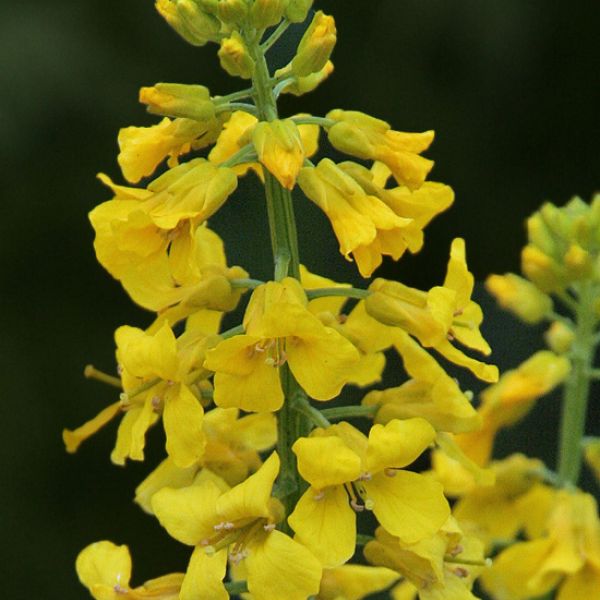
point(510, 87)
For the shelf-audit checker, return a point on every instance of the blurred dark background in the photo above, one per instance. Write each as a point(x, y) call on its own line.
point(510, 87)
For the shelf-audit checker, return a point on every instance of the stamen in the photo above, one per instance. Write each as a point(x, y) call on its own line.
point(225, 525)
point(461, 572)
point(156, 400)
point(237, 557)
point(456, 550)
point(319, 495)
point(120, 590)
point(390, 472)
point(356, 506)
point(342, 318)
point(269, 526)
point(458, 312)
point(366, 476)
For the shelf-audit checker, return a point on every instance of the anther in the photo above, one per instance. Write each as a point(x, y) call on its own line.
point(389, 472)
point(224, 526)
point(366, 476)
point(458, 312)
point(269, 526)
point(237, 557)
point(319, 495)
point(155, 402)
point(461, 572)
point(120, 369)
point(119, 589)
point(456, 550)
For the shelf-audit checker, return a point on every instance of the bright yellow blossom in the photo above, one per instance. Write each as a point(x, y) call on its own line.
point(279, 329)
point(432, 566)
point(105, 569)
point(364, 225)
point(430, 393)
point(279, 148)
point(366, 137)
point(239, 522)
point(144, 148)
point(369, 472)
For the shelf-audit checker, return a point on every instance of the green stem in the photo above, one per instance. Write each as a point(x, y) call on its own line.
point(245, 284)
point(349, 412)
point(231, 106)
point(236, 587)
point(577, 388)
point(241, 95)
point(291, 424)
point(238, 330)
point(322, 121)
point(347, 292)
point(272, 39)
point(314, 414)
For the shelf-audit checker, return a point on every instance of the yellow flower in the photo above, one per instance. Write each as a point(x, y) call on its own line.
point(137, 226)
point(499, 512)
point(231, 452)
point(364, 225)
point(105, 569)
point(508, 401)
point(279, 329)
point(194, 274)
point(340, 462)
point(142, 149)
point(519, 296)
point(444, 314)
point(366, 137)
point(430, 393)
point(431, 565)
point(567, 556)
point(279, 148)
point(240, 520)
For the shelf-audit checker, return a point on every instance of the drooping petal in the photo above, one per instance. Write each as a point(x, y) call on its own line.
point(73, 437)
point(280, 568)
point(583, 584)
point(397, 444)
point(408, 505)
point(182, 419)
point(188, 514)
point(204, 576)
point(325, 524)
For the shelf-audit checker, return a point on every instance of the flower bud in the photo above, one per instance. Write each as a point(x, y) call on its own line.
point(178, 100)
point(316, 46)
point(559, 337)
point(265, 13)
point(578, 262)
point(297, 10)
point(279, 148)
point(232, 12)
point(189, 20)
point(539, 268)
point(235, 57)
point(519, 296)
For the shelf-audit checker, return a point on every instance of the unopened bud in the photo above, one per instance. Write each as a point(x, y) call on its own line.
point(519, 296)
point(178, 100)
point(542, 270)
point(232, 12)
point(578, 262)
point(189, 20)
point(316, 46)
point(559, 337)
point(265, 13)
point(235, 57)
point(297, 10)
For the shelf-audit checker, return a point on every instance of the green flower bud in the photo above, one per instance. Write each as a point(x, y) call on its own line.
point(265, 13)
point(559, 337)
point(178, 100)
point(297, 10)
point(189, 20)
point(235, 57)
point(232, 12)
point(316, 46)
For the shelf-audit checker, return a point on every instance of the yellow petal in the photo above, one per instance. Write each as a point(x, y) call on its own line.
point(315, 464)
point(325, 524)
point(73, 438)
point(281, 569)
point(131, 435)
point(408, 505)
point(104, 563)
point(250, 499)
point(182, 419)
point(583, 584)
point(397, 444)
point(354, 582)
point(188, 514)
point(204, 576)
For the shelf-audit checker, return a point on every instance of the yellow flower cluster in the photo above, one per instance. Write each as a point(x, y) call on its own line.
point(268, 486)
